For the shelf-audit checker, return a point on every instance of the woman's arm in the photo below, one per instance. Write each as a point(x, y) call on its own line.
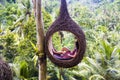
point(64, 50)
point(58, 52)
point(72, 55)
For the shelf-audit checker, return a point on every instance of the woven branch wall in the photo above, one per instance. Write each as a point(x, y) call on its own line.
point(65, 23)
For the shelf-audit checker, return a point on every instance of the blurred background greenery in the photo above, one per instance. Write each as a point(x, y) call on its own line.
point(99, 19)
point(63, 39)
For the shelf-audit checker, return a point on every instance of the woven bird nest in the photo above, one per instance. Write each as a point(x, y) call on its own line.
point(5, 71)
point(65, 23)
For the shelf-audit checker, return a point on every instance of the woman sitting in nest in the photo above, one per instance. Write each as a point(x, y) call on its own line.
point(65, 53)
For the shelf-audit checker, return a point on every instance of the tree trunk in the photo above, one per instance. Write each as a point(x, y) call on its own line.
point(40, 41)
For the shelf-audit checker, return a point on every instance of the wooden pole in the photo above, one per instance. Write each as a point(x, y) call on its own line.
point(60, 71)
point(40, 40)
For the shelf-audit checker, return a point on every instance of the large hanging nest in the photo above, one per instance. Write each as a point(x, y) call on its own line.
point(65, 23)
point(5, 71)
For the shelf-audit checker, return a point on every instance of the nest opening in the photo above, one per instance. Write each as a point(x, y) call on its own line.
point(61, 51)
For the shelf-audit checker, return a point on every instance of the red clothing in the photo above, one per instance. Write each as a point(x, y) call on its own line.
point(64, 56)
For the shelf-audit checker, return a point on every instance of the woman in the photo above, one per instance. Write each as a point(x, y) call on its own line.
point(65, 53)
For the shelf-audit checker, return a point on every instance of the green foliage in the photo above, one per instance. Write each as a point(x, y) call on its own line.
point(52, 71)
point(50, 5)
point(68, 40)
point(9, 14)
point(29, 29)
point(10, 1)
point(24, 69)
point(47, 19)
point(9, 50)
point(56, 39)
point(100, 20)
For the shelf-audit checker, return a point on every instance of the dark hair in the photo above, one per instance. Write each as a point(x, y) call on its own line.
point(77, 44)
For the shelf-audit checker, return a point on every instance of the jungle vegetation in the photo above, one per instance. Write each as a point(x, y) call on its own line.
point(99, 19)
